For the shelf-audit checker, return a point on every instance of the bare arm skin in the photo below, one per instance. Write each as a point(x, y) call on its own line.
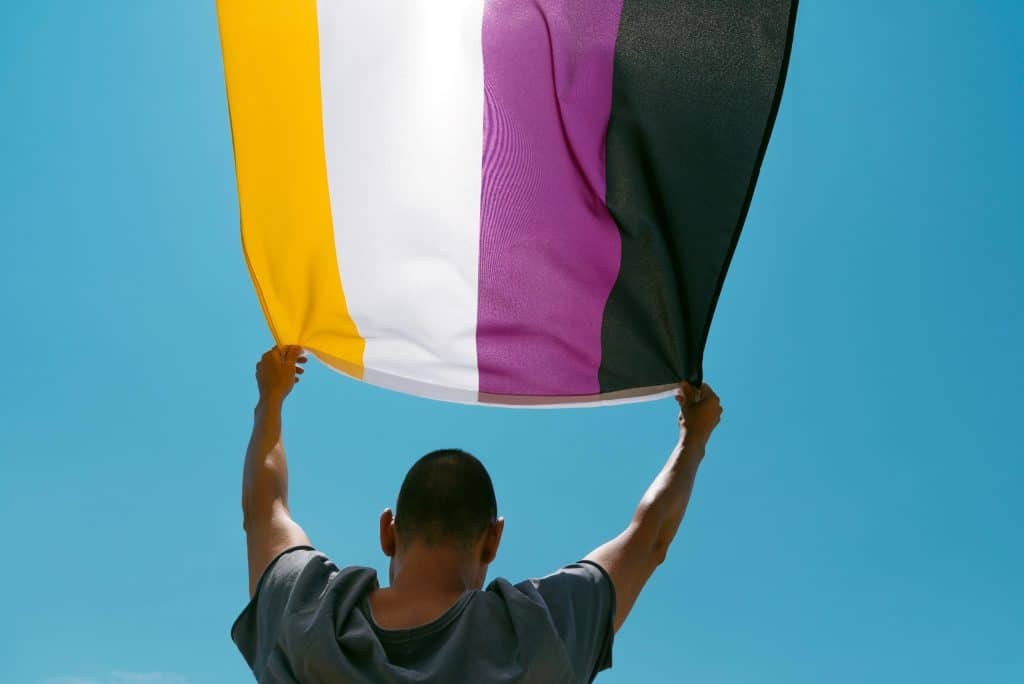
point(268, 524)
point(631, 558)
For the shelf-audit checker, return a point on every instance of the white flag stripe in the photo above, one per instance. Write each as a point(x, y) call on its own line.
point(402, 88)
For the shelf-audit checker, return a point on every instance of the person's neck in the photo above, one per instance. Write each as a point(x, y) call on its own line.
point(439, 571)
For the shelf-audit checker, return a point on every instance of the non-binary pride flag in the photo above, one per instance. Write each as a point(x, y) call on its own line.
point(526, 202)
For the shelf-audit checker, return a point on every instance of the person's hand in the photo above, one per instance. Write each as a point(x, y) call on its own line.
point(699, 413)
point(278, 371)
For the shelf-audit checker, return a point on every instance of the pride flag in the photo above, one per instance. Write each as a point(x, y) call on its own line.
point(527, 202)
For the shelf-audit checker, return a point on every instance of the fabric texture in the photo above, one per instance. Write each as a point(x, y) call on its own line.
point(310, 622)
point(517, 202)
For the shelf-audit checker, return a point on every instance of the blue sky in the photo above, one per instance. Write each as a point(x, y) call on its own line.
point(858, 517)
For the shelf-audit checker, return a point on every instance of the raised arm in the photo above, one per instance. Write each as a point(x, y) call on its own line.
point(269, 528)
point(631, 557)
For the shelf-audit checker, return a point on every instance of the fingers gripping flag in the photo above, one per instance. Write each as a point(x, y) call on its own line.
point(526, 202)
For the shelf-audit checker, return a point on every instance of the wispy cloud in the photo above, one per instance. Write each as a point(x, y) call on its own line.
point(123, 677)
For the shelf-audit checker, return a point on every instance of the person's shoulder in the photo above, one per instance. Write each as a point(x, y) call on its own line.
point(286, 565)
point(299, 559)
point(301, 574)
point(519, 600)
point(579, 599)
point(286, 609)
point(501, 586)
point(581, 572)
point(583, 587)
point(300, 577)
point(534, 619)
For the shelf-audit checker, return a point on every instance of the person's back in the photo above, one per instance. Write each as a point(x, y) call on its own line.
point(310, 620)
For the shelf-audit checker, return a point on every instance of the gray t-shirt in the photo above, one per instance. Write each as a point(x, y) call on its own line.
point(310, 622)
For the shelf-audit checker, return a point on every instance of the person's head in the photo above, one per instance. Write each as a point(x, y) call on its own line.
point(446, 506)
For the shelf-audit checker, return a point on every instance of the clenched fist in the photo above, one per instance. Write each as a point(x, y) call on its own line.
point(278, 371)
point(699, 413)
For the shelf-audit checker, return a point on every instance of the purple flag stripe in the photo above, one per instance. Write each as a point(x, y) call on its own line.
point(549, 248)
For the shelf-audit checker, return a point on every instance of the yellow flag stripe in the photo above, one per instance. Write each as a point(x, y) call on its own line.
point(272, 68)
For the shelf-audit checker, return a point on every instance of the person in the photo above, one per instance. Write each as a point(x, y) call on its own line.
point(310, 621)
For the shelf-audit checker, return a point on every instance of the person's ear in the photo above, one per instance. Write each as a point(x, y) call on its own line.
point(387, 533)
point(492, 539)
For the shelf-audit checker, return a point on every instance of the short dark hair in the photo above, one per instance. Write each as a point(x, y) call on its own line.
point(446, 498)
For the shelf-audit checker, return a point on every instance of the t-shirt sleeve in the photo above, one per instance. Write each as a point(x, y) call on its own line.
point(290, 586)
point(581, 600)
